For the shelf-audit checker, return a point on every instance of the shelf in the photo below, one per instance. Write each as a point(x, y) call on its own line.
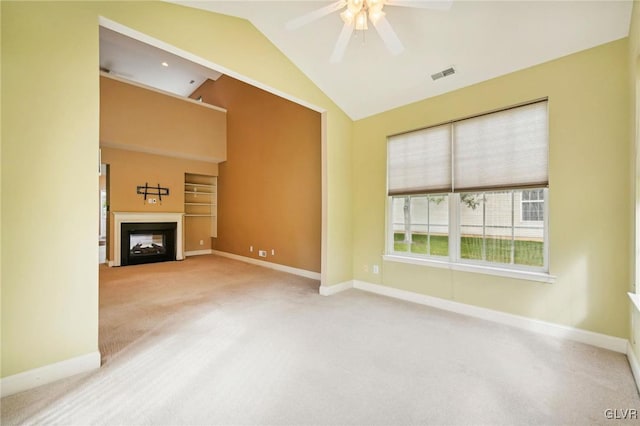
point(203, 185)
point(199, 192)
point(200, 207)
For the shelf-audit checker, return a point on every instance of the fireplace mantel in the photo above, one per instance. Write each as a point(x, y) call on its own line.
point(141, 217)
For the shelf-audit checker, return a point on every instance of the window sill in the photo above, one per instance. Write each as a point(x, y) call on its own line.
point(481, 269)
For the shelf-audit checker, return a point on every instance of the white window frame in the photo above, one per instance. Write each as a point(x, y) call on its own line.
point(454, 260)
point(530, 178)
point(390, 246)
point(458, 255)
point(522, 203)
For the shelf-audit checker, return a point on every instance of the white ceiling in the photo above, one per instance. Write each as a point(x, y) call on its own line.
point(481, 39)
point(133, 60)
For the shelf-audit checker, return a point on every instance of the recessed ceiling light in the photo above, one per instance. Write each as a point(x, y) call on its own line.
point(164, 64)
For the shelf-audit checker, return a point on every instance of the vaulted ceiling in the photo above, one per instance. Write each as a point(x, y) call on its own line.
point(479, 39)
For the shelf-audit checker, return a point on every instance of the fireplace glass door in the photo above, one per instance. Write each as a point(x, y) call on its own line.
point(147, 243)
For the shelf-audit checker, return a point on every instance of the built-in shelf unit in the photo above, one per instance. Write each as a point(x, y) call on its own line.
point(200, 202)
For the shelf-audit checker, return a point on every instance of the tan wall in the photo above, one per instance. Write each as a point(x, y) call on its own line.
point(128, 169)
point(269, 189)
point(161, 124)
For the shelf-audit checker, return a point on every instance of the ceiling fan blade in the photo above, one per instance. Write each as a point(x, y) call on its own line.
point(341, 44)
point(316, 14)
point(422, 4)
point(389, 36)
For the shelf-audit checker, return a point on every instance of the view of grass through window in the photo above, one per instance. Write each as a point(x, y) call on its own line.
point(438, 244)
point(497, 250)
point(424, 220)
point(491, 226)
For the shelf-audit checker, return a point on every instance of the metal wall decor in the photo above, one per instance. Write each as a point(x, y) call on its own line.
point(147, 190)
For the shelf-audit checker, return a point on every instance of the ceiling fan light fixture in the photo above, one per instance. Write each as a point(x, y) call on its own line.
point(355, 6)
point(373, 4)
point(348, 16)
point(361, 21)
point(375, 15)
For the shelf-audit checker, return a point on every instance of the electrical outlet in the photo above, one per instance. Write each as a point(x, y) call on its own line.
point(152, 200)
point(201, 242)
point(262, 253)
point(273, 252)
point(376, 269)
point(251, 249)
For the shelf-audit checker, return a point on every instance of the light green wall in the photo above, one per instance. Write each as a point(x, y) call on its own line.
point(50, 101)
point(634, 133)
point(49, 185)
point(590, 178)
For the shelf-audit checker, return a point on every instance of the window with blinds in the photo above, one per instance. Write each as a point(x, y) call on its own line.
point(505, 149)
point(482, 180)
point(420, 161)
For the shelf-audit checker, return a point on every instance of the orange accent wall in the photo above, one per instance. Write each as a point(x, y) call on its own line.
point(269, 189)
point(149, 121)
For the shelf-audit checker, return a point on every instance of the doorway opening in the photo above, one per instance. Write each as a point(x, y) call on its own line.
point(103, 225)
point(145, 245)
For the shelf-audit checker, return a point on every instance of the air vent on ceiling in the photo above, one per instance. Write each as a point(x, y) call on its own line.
point(443, 73)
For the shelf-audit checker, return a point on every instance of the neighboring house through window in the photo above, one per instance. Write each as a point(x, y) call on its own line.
point(532, 207)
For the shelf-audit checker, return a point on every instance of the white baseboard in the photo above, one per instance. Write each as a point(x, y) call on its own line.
point(615, 344)
point(276, 266)
point(328, 290)
point(635, 365)
point(197, 252)
point(49, 373)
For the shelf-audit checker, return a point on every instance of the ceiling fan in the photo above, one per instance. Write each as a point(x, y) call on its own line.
point(357, 13)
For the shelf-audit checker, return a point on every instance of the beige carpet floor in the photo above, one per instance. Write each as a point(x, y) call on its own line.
point(214, 341)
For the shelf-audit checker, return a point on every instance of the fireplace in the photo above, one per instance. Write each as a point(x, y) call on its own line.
point(147, 242)
point(163, 229)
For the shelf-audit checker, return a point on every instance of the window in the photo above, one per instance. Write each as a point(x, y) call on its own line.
point(490, 231)
point(472, 191)
point(532, 205)
point(420, 224)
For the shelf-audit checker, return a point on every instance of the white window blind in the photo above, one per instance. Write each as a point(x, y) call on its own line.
point(420, 161)
point(501, 150)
